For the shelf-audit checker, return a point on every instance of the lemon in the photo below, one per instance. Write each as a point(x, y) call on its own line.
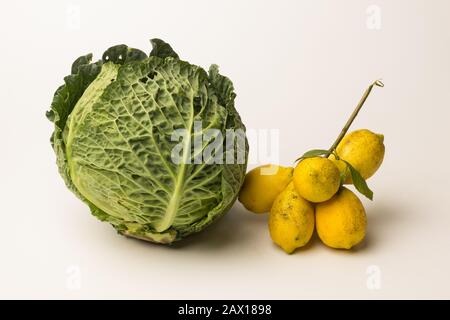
point(363, 149)
point(262, 185)
point(291, 220)
point(316, 179)
point(341, 221)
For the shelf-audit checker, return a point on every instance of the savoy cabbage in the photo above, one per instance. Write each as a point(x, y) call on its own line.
point(114, 122)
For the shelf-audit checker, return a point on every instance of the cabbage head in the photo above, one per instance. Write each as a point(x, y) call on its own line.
point(114, 124)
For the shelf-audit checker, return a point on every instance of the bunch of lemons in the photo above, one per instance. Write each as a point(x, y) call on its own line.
point(312, 195)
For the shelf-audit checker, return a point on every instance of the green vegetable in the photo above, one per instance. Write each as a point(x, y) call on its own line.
point(114, 126)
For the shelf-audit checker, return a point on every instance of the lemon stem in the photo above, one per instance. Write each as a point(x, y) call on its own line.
point(355, 112)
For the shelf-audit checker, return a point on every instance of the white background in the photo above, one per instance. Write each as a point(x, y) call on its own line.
point(298, 66)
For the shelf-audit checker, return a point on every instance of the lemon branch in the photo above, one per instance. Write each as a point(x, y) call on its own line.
point(326, 153)
point(344, 130)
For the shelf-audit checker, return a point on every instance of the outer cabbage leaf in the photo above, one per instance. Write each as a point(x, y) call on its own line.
point(64, 100)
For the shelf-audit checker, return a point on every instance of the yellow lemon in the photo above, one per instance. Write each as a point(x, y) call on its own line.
point(363, 149)
point(262, 185)
point(291, 220)
point(316, 179)
point(341, 221)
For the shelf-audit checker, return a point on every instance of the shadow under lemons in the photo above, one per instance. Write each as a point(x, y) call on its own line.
point(240, 228)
